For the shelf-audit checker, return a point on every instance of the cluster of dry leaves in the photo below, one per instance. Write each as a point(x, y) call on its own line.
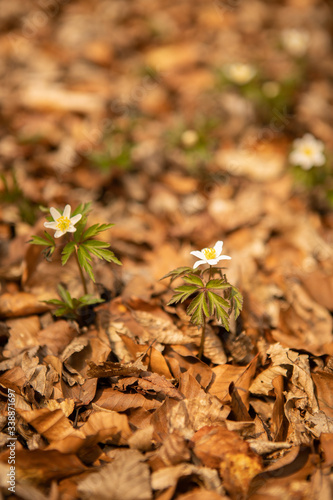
point(118, 406)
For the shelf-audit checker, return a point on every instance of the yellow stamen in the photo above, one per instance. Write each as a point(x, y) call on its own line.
point(209, 253)
point(307, 151)
point(63, 223)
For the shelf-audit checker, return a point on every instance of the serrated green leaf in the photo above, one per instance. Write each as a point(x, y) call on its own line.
point(38, 240)
point(193, 279)
point(67, 252)
point(176, 298)
point(178, 272)
point(195, 303)
point(186, 288)
point(210, 302)
point(217, 299)
point(85, 253)
point(65, 295)
point(96, 244)
point(94, 230)
point(217, 284)
point(84, 257)
point(90, 300)
point(237, 301)
point(197, 317)
point(54, 302)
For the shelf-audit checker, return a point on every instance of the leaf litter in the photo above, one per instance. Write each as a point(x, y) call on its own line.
point(136, 115)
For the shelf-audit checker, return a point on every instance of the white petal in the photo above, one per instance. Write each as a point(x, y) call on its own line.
point(76, 218)
point(218, 247)
point(71, 229)
point(55, 214)
point(198, 263)
point(212, 262)
point(224, 257)
point(51, 225)
point(198, 254)
point(58, 233)
point(67, 212)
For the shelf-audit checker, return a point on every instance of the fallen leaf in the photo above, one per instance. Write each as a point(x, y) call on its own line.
point(126, 478)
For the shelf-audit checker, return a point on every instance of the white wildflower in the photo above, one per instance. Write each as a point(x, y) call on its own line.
point(210, 256)
point(307, 152)
point(295, 41)
point(239, 73)
point(63, 223)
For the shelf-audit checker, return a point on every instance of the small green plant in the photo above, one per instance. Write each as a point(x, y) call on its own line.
point(311, 165)
point(82, 245)
point(12, 194)
point(211, 296)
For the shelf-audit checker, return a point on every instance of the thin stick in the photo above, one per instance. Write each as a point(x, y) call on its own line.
point(202, 342)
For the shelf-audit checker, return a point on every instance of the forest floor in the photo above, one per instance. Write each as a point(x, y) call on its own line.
point(136, 107)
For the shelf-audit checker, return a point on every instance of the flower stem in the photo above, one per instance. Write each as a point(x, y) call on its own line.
point(202, 342)
point(81, 273)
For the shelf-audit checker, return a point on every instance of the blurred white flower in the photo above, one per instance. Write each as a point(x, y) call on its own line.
point(295, 42)
point(189, 138)
point(210, 256)
point(62, 223)
point(307, 152)
point(239, 73)
point(271, 89)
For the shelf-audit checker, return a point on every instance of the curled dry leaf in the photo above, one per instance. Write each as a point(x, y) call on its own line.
point(126, 478)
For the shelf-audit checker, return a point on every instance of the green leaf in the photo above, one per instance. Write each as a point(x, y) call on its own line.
point(217, 304)
point(186, 291)
point(217, 299)
point(196, 302)
point(94, 230)
point(193, 279)
point(90, 300)
point(176, 273)
point(96, 244)
point(197, 317)
point(83, 257)
point(54, 302)
point(67, 252)
point(176, 298)
point(237, 301)
point(38, 240)
point(65, 295)
point(217, 284)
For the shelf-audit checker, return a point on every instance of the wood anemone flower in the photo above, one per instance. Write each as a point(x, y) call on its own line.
point(62, 223)
point(210, 256)
point(308, 152)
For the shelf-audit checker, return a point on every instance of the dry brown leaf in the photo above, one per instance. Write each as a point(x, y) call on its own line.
point(20, 304)
point(126, 478)
point(23, 333)
point(173, 451)
point(169, 476)
point(44, 466)
point(110, 399)
point(304, 323)
point(154, 360)
point(57, 336)
point(242, 378)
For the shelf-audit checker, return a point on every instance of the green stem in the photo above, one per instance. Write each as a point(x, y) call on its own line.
point(202, 342)
point(81, 273)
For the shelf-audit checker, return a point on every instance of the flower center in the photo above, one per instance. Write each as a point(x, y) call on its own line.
point(308, 151)
point(209, 253)
point(63, 223)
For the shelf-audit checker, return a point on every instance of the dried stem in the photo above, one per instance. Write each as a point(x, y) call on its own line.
point(202, 342)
